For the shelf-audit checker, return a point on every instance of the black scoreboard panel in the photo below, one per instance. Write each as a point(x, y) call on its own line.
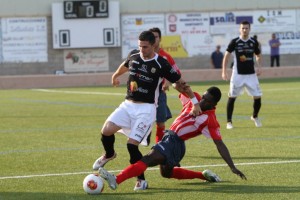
point(85, 9)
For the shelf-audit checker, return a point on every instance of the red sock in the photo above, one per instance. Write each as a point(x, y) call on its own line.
point(180, 173)
point(133, 170)
point(159, 133)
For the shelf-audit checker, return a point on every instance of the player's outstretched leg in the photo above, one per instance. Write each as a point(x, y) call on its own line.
point(110, 178)
point(210, 176)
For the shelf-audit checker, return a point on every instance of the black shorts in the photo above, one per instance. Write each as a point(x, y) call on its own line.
point(172, 147)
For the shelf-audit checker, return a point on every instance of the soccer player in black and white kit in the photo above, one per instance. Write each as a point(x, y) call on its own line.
point(135, 116)
point(244, 74)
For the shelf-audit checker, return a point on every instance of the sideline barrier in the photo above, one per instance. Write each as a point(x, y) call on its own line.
point(104, 79)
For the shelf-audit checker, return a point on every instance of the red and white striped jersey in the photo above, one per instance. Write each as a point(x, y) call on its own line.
point(169, 58)
point(186, 126)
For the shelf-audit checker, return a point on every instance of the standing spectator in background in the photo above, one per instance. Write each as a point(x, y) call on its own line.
point(244, 74)
point(216, 58)
point(163, 112)
point(275, 56)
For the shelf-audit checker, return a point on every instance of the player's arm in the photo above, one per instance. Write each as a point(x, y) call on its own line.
point(223, 151)
point(121, 70)
point(172, 62)
point(258, 61)
point(224, 65)
point(182, 87)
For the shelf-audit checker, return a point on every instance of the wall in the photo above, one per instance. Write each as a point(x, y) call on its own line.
point(104, 79)
point(21, 8)
point(15, 8)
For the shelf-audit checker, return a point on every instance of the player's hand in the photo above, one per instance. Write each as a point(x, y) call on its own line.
point(239, 173)
point(115, 82)
point(165, 88)
point(258, 71)
point(224, 76)
point(196, 110)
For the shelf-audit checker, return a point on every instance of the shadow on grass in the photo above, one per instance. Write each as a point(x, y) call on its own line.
point(60, 196)
point(250, 189)
point(229, 189)
point(221, 188)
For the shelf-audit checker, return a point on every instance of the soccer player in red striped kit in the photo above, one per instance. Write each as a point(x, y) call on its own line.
point(171, 149)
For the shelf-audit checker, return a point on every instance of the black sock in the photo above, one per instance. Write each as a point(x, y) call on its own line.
point(230, 106)
point(135, 155)
point(256, 107)
point(108, 144)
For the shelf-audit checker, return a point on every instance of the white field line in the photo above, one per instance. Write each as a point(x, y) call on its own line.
point(152, 168)
point(78, 92)
point(123, 94)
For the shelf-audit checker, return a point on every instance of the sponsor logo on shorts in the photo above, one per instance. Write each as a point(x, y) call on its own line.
point(142, 127)
point(137, 135)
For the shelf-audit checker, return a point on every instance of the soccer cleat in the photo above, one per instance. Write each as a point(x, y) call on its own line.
point(140, 185)
point(257, 122)
point(100, 162)
point(210, 176)
point(229, 125)
point(110, 178)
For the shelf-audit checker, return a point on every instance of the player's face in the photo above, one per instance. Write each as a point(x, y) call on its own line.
point(146, 49)
point(244, 30)
point(157, 39)
point(207, 102)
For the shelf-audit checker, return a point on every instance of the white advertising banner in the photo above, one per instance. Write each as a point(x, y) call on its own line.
point(225, 26)
point(281, 22)
point(1, 56)
point(198, 33)
point(133, 25)
point(273, 21)
point(24, 39)
point(193, 28)
point(226, 23)
point(86, 60)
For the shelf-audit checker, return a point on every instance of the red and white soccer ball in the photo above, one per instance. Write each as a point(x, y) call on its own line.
point(93, 184)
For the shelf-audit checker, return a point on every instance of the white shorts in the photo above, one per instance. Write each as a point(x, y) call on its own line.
point(240, 82)
point(135, 119)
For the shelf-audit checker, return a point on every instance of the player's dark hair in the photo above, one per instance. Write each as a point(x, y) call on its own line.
point(245, 22)
point(147, 36)
point(215, 92)
point(156, 30)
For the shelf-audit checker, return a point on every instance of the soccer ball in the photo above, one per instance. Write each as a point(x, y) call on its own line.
point(93, 184)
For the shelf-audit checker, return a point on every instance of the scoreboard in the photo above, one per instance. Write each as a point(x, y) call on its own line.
point(86, 9)
point(86, 24)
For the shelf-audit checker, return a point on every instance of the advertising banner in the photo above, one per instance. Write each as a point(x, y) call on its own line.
point(133, 25)
point(193, 28)
point(24, 39)
point(86, 60)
